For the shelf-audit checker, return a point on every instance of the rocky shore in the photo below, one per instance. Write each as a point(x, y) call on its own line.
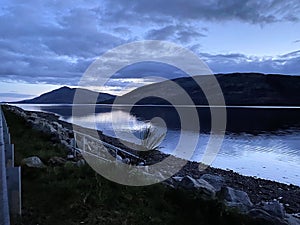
point(273, 202)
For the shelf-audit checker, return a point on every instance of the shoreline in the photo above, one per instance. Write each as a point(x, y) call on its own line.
point(267, 173)
point(258, 189)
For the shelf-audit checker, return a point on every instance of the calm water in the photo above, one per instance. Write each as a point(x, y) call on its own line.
point(260, 141)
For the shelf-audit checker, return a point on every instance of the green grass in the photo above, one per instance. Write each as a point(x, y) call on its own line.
point(29, 142)
point(71, 195)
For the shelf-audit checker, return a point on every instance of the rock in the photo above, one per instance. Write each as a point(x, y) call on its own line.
point(126, 161)
point(57, 125)
point(274, 208)
point(207, 191)
point(141, 164)
point(214, 180)
point(64, 142)
point(52, 129)
point(80, 163)
point(119, 158)
point(57, 161)
point(33, 115)
point(292, 220)
point(297, 215)
point(34, 162)
point(70, 156)
point(188, 182)
point(177, 179)
point(235, 198)
point(266, 217)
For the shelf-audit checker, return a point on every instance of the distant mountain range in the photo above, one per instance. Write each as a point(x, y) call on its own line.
point(65, 95)
point(237, 88)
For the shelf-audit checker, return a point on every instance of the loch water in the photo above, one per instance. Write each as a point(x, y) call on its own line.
point(259, 141)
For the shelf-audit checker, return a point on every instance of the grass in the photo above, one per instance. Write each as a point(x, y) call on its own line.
point(151, 138)
point(70, 195)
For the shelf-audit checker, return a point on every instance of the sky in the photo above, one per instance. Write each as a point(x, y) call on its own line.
point(46, 44)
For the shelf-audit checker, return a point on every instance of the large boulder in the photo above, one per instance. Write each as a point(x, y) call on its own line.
point(207, 191)
point(214, 180)
point(188, 182)
point(266, 217)
point(34, 162)
point(274, 208)
point(292, 220)
point(235, 199)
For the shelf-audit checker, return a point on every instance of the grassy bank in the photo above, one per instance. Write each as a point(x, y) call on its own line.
point(77, 195)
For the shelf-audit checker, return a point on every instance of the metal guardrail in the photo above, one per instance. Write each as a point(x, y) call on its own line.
point(105, 144)
point(10, 176)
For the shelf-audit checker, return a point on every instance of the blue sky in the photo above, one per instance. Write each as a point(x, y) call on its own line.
point(45, 44)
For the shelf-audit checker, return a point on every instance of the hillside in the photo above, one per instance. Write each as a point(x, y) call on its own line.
point(238, 89)
point(65, 95)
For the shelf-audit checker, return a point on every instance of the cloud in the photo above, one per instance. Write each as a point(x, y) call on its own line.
point(15, 95)
point(180, 33)
point(54, 42)
point(41, 41)
point(251, 11)
point(228, 63)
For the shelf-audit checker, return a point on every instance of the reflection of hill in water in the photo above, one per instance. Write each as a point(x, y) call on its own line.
point(75, 110)
point(238, 119)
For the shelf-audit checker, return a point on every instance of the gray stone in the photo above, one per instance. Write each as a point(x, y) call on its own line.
point(266, 217)
point(64, 142)
point(33, 161)
point(70, 156)
point(188, 182)
point(126, 161)
point(297, 215)
point(207, 191)
point(235, 198)
point(119, 158)
point(34, 115)
point(292, 220)
point(57, 125)
point(141, 164)
point(80, 163)
point(177, 179)
point(214, 180)
point(274, 208)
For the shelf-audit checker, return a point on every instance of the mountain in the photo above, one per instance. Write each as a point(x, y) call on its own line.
point(237, 88)
point(65, 95)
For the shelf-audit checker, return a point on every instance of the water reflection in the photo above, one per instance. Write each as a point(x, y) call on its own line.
point(260, 142)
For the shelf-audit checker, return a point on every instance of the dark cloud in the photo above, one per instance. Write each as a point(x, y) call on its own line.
point(55, 41)
point(148, 69)
point(284, 64)
point(251, 11)
point(180, 33)
point(41, 41)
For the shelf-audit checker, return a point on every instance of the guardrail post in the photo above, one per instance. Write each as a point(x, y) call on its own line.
point(4, 208)
point(10, 176)
point(14, 190)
